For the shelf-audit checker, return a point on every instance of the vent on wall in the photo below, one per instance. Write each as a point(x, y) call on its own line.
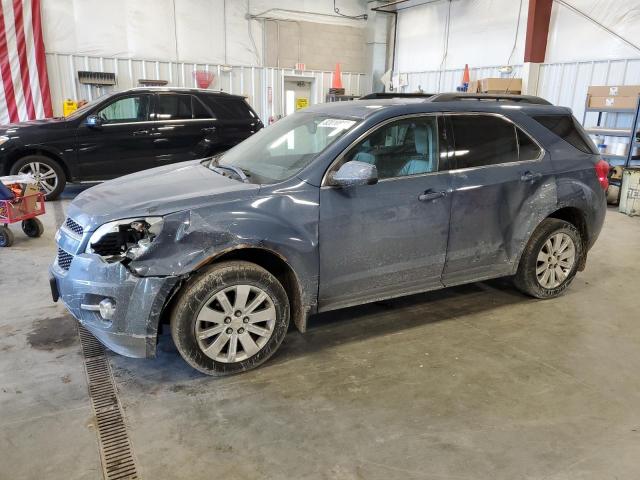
point(147, 82)
point(96, 78)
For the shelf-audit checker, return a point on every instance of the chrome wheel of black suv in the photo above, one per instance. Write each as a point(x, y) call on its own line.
point(47, 172)
point(550, 261)
point(230, 318)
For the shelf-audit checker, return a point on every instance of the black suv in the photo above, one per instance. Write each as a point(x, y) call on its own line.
point(125, 132)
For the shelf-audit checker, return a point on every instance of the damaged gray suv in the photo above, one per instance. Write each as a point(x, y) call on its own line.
point(336, 205)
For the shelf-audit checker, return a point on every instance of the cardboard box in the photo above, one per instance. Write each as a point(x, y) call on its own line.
point(473, 86)
point(500, 85)
point(613, 102)
point(614, 91)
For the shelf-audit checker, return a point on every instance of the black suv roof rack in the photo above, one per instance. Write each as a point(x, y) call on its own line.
point(380, 95)
point(455, 97)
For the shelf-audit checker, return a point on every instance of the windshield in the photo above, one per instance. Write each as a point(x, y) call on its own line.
point(283, 149)
point(86, 107)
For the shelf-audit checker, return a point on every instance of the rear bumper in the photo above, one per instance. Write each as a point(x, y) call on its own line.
point(139, 301)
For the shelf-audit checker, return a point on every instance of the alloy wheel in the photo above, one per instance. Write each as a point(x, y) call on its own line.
point(235, 323)
point(45, 176)
point(555, 260)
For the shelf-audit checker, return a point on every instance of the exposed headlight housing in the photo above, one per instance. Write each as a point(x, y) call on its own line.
point(124, 239)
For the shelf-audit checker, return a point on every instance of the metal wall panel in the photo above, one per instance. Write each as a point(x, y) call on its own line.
point(254, 82)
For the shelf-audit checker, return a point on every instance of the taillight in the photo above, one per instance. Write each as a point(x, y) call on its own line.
point(602, 172)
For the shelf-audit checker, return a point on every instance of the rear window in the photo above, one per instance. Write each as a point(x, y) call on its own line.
point(567, 128)
point(228, 108)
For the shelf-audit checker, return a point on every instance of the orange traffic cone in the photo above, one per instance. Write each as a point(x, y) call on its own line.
point(465, 75)
point(336, 82)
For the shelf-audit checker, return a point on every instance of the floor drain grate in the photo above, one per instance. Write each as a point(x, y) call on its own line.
point(118, 461)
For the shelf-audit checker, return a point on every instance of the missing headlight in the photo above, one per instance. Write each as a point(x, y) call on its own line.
point(124, 238)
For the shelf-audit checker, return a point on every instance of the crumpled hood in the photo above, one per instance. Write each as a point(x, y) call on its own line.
point(158, 191)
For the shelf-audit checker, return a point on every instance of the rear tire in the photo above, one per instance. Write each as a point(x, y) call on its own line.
point(229, 318)
point(550, 260)
point(6, 237)
point(47, 172)
point(32, 228)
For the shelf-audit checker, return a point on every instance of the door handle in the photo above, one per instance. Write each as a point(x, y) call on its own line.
point(530, 176)
point(430, 195)
point(209, 129)
point(140, 132)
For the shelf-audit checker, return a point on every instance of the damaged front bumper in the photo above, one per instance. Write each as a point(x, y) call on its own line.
point(132, 326)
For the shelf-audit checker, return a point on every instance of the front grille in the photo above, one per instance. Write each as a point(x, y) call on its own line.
point(64, 259)
point(73, 226)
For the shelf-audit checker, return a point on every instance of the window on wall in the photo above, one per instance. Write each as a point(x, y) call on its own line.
point(482, 140)
point(401, 148)
point(125, 110)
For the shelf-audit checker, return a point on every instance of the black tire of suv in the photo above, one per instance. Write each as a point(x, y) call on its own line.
point(525, 279)
point(199, 290)
point(55, 166)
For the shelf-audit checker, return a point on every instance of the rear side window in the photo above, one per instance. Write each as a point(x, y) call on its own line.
point(566, 127)
point(482, 140)
point(528, 149)
point(228, 108)
point(174, 107)
point(199, 110)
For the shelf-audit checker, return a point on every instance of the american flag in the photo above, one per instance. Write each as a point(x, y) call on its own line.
point(24, 88)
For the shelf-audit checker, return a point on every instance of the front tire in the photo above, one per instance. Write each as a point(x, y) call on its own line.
point(550, 260)
point(47, 172)
point(230, 318)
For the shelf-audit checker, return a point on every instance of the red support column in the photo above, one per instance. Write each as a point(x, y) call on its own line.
point(537, 30)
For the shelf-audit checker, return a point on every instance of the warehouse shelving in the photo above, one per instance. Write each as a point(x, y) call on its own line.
point(631, 134)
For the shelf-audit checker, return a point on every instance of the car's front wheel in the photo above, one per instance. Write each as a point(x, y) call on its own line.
point(47, 172)
point(550, 260)
point(230, 318)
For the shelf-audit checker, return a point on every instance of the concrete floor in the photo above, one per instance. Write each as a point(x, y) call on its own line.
point(476, 382)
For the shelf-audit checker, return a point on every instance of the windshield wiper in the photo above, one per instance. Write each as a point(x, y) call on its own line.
point(237, 170)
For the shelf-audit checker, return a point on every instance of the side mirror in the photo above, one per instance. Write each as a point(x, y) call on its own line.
point(93, 121)
point(354, 173)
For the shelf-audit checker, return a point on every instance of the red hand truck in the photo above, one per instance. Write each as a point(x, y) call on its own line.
point(21, 209)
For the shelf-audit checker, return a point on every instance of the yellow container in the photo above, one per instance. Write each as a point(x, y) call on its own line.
point(68, 107)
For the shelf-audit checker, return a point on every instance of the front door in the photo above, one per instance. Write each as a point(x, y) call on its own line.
point(184, 128)
point(388, 239)
point(499, 189)
point(122, 144)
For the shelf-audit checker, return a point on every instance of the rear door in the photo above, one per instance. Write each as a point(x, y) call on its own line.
point(499, 181)
point(182, 127)
point(122, 144)
point(235, 119)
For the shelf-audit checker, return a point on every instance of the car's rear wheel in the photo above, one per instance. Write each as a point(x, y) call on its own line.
point(550, 260)
point(230, 318)
point(46, 171)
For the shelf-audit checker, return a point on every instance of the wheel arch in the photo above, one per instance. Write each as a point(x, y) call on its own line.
point(577, 218)
point(26, 151)
point(279, 267)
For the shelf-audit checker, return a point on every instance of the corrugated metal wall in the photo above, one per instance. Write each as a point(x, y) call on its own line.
point(254, 82)
point(561, 83)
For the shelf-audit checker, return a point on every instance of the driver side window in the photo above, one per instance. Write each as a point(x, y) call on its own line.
point(125, 110)
point(401, 148)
